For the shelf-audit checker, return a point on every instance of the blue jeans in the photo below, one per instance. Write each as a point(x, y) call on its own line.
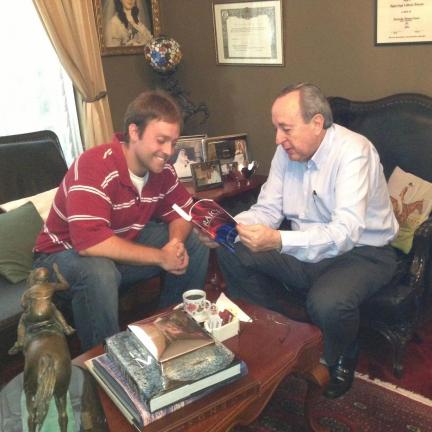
point(334, 288)
point(95, 282)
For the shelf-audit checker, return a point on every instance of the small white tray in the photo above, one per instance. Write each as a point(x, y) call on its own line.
point(226, 331)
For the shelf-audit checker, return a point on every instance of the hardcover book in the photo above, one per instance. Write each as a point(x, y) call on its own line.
point(213, 220)
point(111, 379)
point(170, 335)
point(157, 388)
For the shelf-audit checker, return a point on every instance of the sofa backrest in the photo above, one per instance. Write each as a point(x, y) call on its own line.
point(29, 164)
point(400, 127)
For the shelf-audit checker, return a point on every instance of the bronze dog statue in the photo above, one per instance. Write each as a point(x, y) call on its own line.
point(41, 336)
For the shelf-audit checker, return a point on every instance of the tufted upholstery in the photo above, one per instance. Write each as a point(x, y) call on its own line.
point(400, 127)
point(29, 164)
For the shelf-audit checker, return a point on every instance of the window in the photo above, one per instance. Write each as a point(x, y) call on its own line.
point(36, 93)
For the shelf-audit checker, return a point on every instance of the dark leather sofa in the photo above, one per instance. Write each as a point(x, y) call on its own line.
point(400, 126)
point(29, 164)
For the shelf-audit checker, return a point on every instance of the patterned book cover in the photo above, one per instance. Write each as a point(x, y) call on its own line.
point(139, 368)
point(170, 334)
point(212, 364)
point(213, 220)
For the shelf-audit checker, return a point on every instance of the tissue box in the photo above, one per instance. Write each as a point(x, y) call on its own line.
point(226, 331)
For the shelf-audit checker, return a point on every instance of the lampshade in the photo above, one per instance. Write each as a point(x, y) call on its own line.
point(163, 54)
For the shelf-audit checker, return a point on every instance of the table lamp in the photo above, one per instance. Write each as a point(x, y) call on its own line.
point(164, 55)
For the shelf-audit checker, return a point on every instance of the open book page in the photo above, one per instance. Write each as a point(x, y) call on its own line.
point(213, 220)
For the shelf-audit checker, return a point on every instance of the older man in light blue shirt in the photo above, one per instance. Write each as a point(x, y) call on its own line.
point(329, 183)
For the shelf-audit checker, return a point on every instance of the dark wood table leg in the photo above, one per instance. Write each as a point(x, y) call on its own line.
point(316, 379)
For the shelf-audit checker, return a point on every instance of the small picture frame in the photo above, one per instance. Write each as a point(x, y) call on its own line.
point(188, 150)
point(207, 175)
point(228, 149)
point(229, 168)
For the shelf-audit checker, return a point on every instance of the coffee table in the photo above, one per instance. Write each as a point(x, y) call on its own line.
point(273, 347)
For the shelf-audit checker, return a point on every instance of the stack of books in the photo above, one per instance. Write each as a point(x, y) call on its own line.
point(161, 364)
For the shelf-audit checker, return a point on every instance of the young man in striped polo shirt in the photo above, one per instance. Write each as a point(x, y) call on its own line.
point(111, 223)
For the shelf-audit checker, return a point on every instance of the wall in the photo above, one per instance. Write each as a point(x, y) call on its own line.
point(328, 42)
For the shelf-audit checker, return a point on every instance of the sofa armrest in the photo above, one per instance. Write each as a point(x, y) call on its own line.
point(421, 267)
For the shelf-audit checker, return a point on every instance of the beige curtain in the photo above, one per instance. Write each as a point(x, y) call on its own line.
point(72, 30)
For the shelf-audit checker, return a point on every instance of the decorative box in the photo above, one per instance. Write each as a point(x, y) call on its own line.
point(226, 331)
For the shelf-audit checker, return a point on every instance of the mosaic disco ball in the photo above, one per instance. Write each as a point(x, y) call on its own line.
point(163, 54)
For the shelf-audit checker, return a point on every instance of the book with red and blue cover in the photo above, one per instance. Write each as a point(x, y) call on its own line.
point(213, 220)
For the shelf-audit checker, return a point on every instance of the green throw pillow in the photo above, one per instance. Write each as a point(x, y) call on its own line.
point(18, 231)
point(411, 198)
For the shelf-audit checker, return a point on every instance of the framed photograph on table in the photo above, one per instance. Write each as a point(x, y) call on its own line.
point(229, 168)
point(207, 175)
point(228, 149)
point(248, 32)
point(188, 150)
point(405, 22)
point(124, 29)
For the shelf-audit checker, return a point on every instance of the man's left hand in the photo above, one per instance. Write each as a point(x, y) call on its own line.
point(259, 238)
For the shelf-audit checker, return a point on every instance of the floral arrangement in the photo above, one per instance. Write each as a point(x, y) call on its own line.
point(163, 54)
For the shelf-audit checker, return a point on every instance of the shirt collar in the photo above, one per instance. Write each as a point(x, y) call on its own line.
point(323, 150)
point(120, 160)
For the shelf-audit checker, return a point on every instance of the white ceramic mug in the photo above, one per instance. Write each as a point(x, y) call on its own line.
point(195, 303)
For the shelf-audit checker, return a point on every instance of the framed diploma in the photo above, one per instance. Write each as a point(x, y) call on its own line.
point(403, 21)
point(248, 32)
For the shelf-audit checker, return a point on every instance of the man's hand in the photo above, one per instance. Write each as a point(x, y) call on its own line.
point(175, 257)
point(259, 238)
point(206, 239)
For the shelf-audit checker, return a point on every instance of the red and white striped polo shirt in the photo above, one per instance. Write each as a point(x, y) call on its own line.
point(97, 199)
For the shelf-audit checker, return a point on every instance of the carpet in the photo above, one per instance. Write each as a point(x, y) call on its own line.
point(370, 406)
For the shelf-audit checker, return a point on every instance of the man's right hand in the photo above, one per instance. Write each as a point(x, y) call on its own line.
point(175, 258)
point(206, 239)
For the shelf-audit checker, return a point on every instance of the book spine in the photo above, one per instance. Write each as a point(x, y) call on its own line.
point(126, 375)
point(138, 342)
point(138, 366)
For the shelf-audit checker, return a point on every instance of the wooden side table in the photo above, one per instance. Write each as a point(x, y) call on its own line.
point(273, 347)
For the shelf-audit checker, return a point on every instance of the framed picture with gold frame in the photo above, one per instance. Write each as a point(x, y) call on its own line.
point(126, 31)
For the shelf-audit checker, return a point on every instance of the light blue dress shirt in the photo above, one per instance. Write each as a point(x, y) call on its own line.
point(337, 200)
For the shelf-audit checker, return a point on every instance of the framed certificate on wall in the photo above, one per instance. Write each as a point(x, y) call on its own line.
point(248, 32)
point(403, 22)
